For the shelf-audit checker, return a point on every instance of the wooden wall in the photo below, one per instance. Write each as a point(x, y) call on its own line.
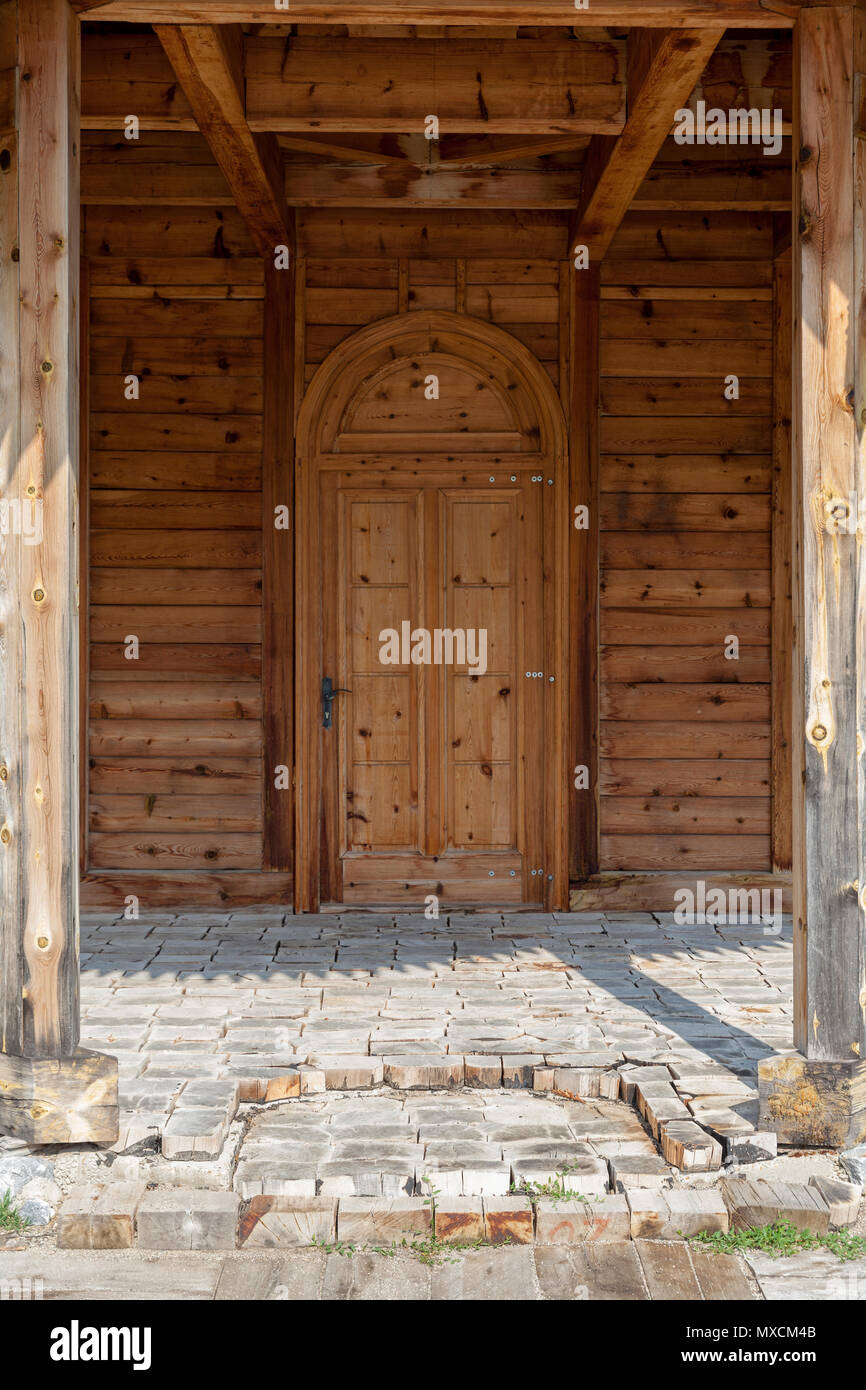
point(175, 738)
point(693, 546)
point(685, 482)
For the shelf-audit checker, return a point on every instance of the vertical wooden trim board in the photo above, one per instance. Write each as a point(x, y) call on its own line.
point(782, 559)
point(277, 561)
point(584, 556)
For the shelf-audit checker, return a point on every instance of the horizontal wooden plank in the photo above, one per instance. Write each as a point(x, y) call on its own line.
point(653, 738)
point(358, 273)
point(485, 270)
point(704, 396)
point(754, 14)
point(112, 430)
point(698, 319)
point(181, 393)
point(426, 233)
point(657, 434)
point(141, 272)
point(140, 508)
point(153, 548)
point(684, 550)
point(206, 356)
point(150, 699)
point(367, 186)
point(656, 891)
point(691, 237)
point(542, 86)
point(683, 664)
point(155, 813)
point(661, 511)
point(743, 357)
point(123, 469)
point(713, 703)
point(173, 231)
point(708, 275)
point(195, 661)
point(672, 588)
point(163, 738)
point(684, 815)
point(685, 473)
point(149, 775)
point(176, 586)
point(684, 626)
point(165, 318)
point(530, 303)
point(699, 852)
point(219, 623)
point(184, 890)
point(348, 305)
point(735, 778)
point(198, 850)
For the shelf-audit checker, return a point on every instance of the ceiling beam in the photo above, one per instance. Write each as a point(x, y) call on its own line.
point(663, 68)
point(208, 63)
point(662, 14)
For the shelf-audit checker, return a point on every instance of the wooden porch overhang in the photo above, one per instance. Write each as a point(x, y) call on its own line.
point(560, 111)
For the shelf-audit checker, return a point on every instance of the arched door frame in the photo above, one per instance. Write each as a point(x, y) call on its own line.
point(336, 383)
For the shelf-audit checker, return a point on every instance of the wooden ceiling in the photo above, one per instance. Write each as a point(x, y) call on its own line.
point(569, 120)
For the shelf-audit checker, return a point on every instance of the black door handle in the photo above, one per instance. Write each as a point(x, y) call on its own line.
point(329, 694)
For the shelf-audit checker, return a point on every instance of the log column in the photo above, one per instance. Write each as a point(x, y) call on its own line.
point(51, 1090)
point(818, 1094)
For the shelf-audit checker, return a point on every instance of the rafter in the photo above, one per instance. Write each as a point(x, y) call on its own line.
point(208, 63)
point(663, 68)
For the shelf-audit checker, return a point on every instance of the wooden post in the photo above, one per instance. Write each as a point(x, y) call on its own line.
point(818, 1095)
point(51, 1090)
point(584, 316)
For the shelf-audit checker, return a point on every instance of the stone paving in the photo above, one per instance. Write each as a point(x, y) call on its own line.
point(186, 998)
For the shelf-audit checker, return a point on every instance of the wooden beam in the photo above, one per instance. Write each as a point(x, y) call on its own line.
point(818, 1096)
point(43, 1099)
point(662, 71)
point(782, 561)
point(757, 14)
point(209, 66)
point(584, 312)
point(829, 365)
point(278, 561)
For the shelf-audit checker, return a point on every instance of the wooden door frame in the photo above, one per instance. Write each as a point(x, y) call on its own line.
point(334, 386)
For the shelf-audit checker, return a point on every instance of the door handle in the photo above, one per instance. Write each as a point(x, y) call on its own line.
point(329, 694)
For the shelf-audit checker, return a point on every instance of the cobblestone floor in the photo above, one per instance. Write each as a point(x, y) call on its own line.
point(179, 997)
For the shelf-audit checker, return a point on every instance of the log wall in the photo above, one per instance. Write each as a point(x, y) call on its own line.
point(687, 736)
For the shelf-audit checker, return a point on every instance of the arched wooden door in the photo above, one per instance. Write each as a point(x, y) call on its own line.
point(431, 525)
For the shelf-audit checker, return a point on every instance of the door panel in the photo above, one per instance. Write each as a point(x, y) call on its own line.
point(439, 609)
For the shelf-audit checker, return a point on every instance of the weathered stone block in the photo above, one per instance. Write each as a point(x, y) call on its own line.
point(508, 1220)
point(424, 1073)
point(375, 1221)
point(182, 1219)
point(817, 1104)
point(459, 1219)
point(94, 1217)
point(576, 1222)
point(278, 1222)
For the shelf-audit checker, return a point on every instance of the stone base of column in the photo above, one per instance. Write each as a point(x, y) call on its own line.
point(813, 1104)
point(65, 1100)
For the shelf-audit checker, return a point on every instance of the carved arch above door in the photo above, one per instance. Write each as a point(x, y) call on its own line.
point(428, 403)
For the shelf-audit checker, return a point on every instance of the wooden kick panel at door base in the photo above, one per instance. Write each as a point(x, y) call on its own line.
point(434, 762)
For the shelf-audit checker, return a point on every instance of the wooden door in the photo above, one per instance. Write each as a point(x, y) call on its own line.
point(433, 767)
point(430, 595)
